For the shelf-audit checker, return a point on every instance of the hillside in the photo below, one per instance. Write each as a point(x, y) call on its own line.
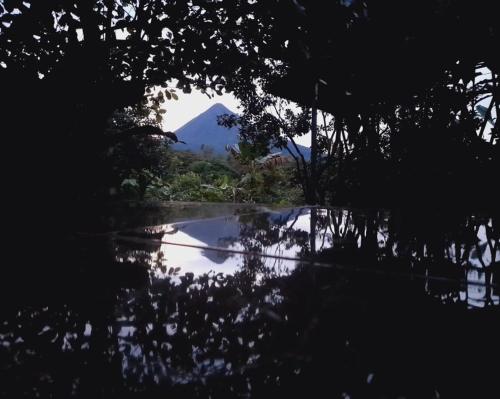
point(203, 131)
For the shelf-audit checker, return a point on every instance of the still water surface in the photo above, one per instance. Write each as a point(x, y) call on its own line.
point(279, 302)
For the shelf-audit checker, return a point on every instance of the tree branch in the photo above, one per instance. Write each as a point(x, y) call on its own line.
point(144, 131)
point(486, 117)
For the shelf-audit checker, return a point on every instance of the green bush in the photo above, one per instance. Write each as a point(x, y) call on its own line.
point(189, 178)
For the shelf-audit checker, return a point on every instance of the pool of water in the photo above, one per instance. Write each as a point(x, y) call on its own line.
point(256, 303)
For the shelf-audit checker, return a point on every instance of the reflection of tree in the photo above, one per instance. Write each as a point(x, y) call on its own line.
point(440, 246)
point(169, 332)
point(118, 326)
point(263, 231)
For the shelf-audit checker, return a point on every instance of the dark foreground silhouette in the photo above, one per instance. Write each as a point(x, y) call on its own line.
point(322, 302)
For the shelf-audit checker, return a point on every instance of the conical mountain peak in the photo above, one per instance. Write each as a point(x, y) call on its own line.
point(219, 107)
point(203, 132)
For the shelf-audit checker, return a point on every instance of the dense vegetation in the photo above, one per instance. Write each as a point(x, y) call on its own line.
point(402, 101)
point(212, 179)
point(409, 92)
point(146, 168)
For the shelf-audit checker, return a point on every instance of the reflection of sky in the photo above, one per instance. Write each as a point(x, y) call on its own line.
point(199, 260)
point(478, 289)
point(194, 260)
point(192, 249)
point(226, 233)
point(137, 363)
point(192, 246)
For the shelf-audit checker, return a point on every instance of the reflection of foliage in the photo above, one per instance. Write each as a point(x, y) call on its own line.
point(135, 325)
point(261, 231)
point(174, 331)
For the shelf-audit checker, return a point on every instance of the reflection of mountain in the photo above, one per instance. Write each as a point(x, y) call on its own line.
point(217, 257)
point(204, 132)
point(213, 232)
point(227, 232)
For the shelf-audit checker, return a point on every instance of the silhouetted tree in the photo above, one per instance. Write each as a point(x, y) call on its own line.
point(416, 110)
point(403, 83)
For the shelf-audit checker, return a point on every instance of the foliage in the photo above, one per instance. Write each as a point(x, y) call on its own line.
point(399, 128)
point(150, 322)
point(269, 121)
point(191, 177)
point(81, 60)
point(413, 110)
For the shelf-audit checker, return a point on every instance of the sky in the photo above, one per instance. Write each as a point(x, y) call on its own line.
point(191, 105)
point(188, 106)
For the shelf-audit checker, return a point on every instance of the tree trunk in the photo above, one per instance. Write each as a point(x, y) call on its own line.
point(314, 147)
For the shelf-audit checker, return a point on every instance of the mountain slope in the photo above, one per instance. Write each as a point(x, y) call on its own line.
point(203, 131)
